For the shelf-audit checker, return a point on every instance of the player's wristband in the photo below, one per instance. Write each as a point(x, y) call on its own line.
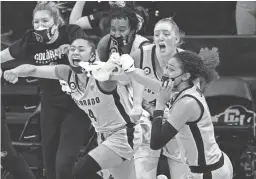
point(158, 114)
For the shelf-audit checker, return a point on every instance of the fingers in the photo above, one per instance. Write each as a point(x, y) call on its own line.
point(10, 76)
point(167, 85)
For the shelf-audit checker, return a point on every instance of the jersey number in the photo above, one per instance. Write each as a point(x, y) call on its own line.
point(92, 115)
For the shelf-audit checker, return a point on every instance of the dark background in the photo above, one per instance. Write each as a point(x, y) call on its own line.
point(194, 18)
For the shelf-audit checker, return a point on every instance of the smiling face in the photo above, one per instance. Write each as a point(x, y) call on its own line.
point(80, 50)
point(120, 27)
point(165, 38)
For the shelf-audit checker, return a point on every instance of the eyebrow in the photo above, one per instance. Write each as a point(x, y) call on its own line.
point(120, 26)
point(78, 46)
point(168, 64)
point(162, 30)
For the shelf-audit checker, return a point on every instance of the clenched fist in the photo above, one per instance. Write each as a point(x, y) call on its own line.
point(11, 76)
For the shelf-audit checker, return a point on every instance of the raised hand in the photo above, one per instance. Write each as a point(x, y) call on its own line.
point(164, 94)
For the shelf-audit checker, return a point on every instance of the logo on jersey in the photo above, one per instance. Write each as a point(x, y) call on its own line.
point(87, 102)
point(234, 115)
point(49, 56)
point(147, 70)
point(72, 85)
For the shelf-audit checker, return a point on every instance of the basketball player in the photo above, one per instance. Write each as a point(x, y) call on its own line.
point(152, 59)
point(189, 116)
point(118, 136)
point(100, 21)
point(124, 40)
point(59, 116)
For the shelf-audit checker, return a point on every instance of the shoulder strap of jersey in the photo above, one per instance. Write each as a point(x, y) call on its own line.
point(69, 76)
point(141, 57)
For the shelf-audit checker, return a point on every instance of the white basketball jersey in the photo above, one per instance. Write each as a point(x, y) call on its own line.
point(147, 63)
point(196, 139)
point(105, 109)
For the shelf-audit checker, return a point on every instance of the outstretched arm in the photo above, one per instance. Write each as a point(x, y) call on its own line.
point(51, 72)
point(130, 66)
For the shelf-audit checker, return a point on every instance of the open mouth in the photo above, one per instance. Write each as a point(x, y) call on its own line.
point(162, 47)
point(76, 61)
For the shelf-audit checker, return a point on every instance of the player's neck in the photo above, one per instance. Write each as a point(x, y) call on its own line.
point(163, 58)
point(182, 86)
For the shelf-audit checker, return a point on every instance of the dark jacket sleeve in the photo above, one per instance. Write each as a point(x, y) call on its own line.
point(20, 48)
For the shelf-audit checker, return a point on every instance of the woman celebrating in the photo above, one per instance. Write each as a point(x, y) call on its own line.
point(152, 59)
point(64, 126)
point(123, 37)
point(189, 116)
point(118, 136)
point(100, 21)
point(124, 40)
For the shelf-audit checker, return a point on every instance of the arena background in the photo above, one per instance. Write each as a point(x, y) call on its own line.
point(206, 24)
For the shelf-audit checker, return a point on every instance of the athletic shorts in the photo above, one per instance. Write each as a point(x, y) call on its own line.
point(124, 141)
point(224, 172)
point(144, 150)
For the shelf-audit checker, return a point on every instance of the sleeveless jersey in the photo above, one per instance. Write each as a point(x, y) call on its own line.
point(196, 139)
point(148, 65)
point(137, 43)
point(106, 110)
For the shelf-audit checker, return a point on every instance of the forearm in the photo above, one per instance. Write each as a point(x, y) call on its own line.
point(76, 12)
point(138, 90)
point(119, 77)
point(36, 71)
point(25, 70)
point(161, 134)
point(139, 76)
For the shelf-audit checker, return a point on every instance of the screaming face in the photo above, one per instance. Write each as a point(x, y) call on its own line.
point(165, 38)
point(79, 51)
